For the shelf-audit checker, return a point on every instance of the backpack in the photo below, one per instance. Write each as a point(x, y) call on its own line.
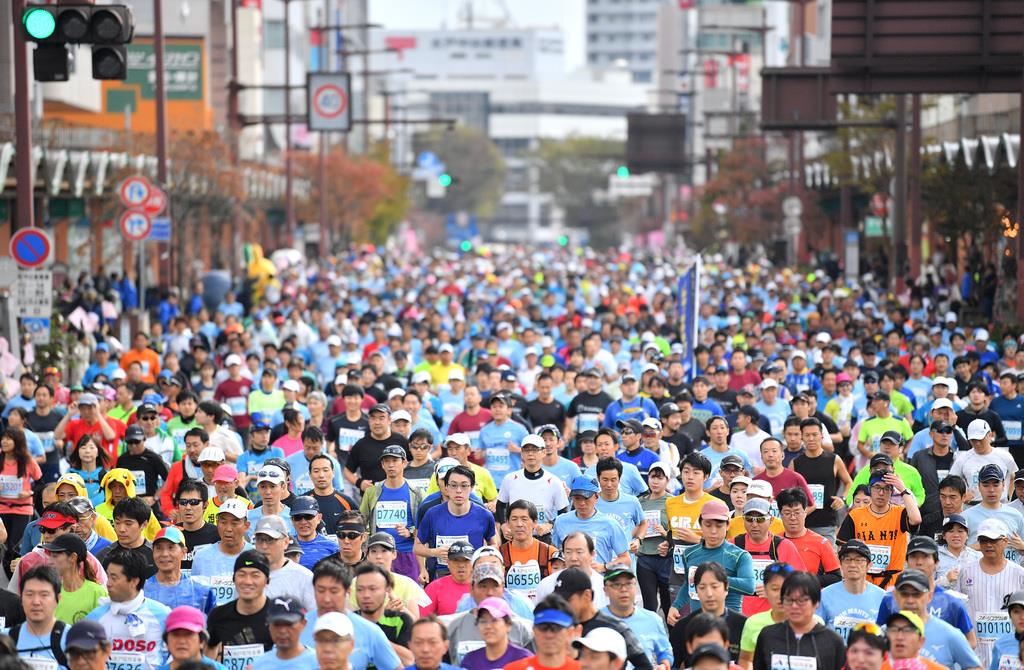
point(55, 639)
point(542, 556)
point(773, 548)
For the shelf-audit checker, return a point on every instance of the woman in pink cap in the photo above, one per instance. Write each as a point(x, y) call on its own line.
point(185, 636)
point(494, 620)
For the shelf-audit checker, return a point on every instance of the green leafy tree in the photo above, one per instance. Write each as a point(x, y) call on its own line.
point(475, 164)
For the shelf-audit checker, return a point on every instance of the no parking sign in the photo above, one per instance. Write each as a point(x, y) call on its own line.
point(327, 101)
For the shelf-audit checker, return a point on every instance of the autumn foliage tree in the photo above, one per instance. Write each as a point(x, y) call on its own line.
point(366, 197)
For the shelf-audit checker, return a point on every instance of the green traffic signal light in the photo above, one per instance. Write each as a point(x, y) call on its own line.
point(444, 180)
point(563, 240)
point(39, 23)
point(622, 172)
point(466, 245)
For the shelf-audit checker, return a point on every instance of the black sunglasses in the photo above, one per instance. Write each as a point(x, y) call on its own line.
point(350, 535)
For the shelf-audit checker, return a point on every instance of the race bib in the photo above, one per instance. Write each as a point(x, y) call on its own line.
point(942, 474)
point(241, 656)
point(499, 458)
point(817, 495)
point(126, 660)
point(992, 625)
point(787, 662)
point(586, 422)
point(467, 646)
point(348, 437)
point(1012, 430)
point(881, 554)
point(418, 484)
point(390, 513)
point(40, 663)
point(446, 541)
point(689, 581)
point(140, 480)
point(524, 578)
point(237, 406)
point(10, 486)
point(759, 565)
point(844, 624)
point(223, 588)
point(303, 483)
point(1008, 662)
point(653, 517)
point(47, 440)
point(677, 559)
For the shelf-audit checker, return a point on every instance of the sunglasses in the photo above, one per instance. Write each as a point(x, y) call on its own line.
point(303, 517)
point(419, 447)
point(190, 502)
point(756, 519)
point(944, 431)
point(869, 628)
point(352, 535)
point(628, 431)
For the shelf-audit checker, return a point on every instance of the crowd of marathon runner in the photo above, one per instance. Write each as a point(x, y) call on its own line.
point(512, 461)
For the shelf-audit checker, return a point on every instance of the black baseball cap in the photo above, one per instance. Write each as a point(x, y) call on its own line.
point(915, 579)
point(893, 436)
point(632, 424)
point(922, 544)
point(460, 549)
point(86, 635)
point(571, 581)
point(380, 407)
point(857, 547)
point(669, 408)
point(880, 459)
point(990, 472)
point(880, 395)
point(731, 459)
point(940, 426)
point(711, 650)
point(134, 433)
point(286, 609)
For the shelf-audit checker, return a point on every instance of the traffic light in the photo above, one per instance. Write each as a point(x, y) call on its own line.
point(107, 27)
point(466, 246)
point(444, 179)
point(563, 240)
point(622, 172)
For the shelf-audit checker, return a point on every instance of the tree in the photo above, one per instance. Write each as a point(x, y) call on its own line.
point(366, 198)
point(474, 162)
point(573, 170)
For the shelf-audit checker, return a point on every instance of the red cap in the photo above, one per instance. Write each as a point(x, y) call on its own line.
point(715, 510)
point(53, 520)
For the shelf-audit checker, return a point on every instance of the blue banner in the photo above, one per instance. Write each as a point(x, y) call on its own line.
point(689, 298)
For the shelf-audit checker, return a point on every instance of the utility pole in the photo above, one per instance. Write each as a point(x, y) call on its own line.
point(325, 236)
point(161, 129)
point(289, 204)
point(23, 125)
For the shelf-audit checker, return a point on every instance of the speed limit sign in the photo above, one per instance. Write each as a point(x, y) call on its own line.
point(327, 101)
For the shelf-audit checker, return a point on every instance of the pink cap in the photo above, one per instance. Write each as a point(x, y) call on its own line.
point(715, 510)
point(186, 618)
point(843, 377)
point(497, 607)
point(225, 473)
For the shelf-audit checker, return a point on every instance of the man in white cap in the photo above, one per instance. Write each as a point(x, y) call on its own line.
point(214, 564)
point(942, 409)
point(601, 649)
point(532, 483)
point(451, 398)
point(234, 391)
point(272, 484)
point(968, 464)
point(334, 641)
point(776, 409)
point(986, 583)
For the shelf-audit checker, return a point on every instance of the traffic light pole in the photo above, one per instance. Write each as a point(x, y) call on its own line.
point(23, 126)
point(161, 127)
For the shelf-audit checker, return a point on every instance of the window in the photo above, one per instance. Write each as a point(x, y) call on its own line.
point(273, 35)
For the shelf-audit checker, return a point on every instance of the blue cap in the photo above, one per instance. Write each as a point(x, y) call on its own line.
point(103, 346)
point(582, 485)
point(556, 617)
point(154, 398)
point(165, 374)
point(86, 635)
point(304, 505)
point(260, 421)
point(877, 478)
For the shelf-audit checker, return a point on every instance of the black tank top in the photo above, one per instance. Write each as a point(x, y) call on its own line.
point(819, 472)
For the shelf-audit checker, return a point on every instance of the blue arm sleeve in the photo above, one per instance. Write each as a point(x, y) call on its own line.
point(744, 582)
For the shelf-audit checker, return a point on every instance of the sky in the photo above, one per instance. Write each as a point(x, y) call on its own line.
point(429, 14)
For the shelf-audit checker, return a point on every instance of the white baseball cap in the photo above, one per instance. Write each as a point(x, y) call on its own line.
point(994, 529)
point(941, 381)
point(769, 383)
point(335, 622)
point(533, 440)
point(118, 373)
point(651, 422)
point(341, 380)
point(334, 341)
point(458, 438)
point(798, 353)
point(978, 429)
point(942, 403)
point(445, 347)
point(400, 415)
point(292, 385)
point(607, 640)
point(981, 334)
point(456, 373)
point(270, 473)
point(421, 378)
point(396, 393)
point(212, 455)
point(741, 479)
point(234, 507)
point(759, 488)
point(233, 359)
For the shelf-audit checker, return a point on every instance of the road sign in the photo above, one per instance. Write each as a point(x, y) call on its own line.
point(327, 101)
point(161, 231)
point(792, 206)
point(135, 225)
point(135, 191)
point(792, 225)
point(33, 294)
point(31, 247)
point(38, 329)
point(157, 202)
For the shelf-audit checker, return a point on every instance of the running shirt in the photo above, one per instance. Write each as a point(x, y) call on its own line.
point(842, 610)
point(886, 537)
point(525, 568)
point(494, 441)
point(543, 489)
point(985, 595)
point(213, 568)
